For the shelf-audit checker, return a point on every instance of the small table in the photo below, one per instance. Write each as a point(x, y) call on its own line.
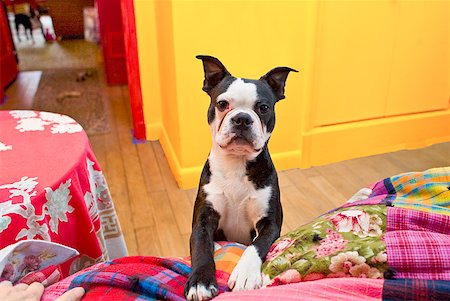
point(52, 188)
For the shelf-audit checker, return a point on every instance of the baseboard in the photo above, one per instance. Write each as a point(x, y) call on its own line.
point(335, 143)
point(171, 156)
point(153, 131)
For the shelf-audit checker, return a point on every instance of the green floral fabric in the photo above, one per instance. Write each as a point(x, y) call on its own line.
point(347, 242)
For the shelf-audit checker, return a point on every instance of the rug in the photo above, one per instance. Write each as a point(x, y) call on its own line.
point(76, 93)
point(62, 55)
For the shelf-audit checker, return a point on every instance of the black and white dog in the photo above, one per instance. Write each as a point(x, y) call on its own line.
point(238, 197)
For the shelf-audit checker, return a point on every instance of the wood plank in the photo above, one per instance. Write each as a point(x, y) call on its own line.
point(21, 93)
point(148, 244)
point(170, 238)
point(313, 194)
point(366, 172)
point(115, 175)
point(191, 195)
point(290, 219)
point(304, 209)
point(334, 197)
point(186, 238)
point(150, 168)
point(181, 205)
point(98, 144)
point(412, 160)
point(345, 181)
point(439, 151)
point(283, 179)
point(134, 179)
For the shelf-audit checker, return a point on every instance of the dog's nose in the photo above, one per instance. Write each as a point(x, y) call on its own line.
point(242, 120)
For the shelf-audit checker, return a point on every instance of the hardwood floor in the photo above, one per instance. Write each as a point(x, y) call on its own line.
point(156, 215)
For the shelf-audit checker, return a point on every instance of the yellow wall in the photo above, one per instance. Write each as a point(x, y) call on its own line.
point(374, 74)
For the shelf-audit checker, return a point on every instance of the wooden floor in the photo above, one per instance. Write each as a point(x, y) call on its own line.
point(156, 215)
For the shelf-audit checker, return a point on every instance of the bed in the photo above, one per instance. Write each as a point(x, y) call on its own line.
point(391, 241)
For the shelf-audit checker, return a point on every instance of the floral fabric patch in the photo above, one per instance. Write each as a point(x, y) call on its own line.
point(347, 242)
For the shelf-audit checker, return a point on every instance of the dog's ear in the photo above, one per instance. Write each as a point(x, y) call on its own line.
point(276, 78)
point(215, 71)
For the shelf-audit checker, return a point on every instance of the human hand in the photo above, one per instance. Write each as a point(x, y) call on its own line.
point(33, 292)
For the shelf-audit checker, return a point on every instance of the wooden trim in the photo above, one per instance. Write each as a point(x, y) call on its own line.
point(132, 59)
point(372, 137)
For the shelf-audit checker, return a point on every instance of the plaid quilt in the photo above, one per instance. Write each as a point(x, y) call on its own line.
point(144, 277)
point(392, 245)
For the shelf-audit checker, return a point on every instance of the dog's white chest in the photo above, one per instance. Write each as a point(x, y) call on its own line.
point(239, 204)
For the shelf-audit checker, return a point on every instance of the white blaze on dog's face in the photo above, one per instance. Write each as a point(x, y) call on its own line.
point(237, 128)
point(241, 113)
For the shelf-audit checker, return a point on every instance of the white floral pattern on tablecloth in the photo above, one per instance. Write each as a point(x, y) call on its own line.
point(32, 121)
point(4, 147)
point(23, 114)
point(25, 189)
point(57, 205)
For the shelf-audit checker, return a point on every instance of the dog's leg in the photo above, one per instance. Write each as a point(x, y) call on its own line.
point(17, 29)
point(247, 273)
point(202, 283)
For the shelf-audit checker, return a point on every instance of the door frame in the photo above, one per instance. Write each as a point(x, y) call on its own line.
point(132, 60)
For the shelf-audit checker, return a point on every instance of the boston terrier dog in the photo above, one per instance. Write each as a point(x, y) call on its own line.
point(238, 197)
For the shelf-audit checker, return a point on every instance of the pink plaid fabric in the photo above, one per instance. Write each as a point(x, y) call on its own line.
point(343, 289)
point(57, 289)
point(418, 244)
point(414, 220)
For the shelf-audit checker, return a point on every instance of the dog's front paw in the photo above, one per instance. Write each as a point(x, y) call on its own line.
point(200, 287)
point(247, 273)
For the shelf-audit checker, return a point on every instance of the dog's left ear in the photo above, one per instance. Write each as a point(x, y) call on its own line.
point(276, 78)
point(215, 71)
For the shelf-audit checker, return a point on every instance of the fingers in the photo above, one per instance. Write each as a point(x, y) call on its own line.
point(21, 287)
point(35, 289)
point(74, 294)
point(21, 291)
point(6, 284)
point(5, 288)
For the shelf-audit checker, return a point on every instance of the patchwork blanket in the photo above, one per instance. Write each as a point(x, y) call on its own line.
point(390, 242)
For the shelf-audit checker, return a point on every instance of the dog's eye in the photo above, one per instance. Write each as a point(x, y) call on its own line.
point(263, 109)
point(222, 105)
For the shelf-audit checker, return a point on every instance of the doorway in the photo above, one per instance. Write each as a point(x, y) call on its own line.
point(56, 39)
point(68, 36)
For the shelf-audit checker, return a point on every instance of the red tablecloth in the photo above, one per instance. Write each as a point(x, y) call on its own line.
point(52, 188)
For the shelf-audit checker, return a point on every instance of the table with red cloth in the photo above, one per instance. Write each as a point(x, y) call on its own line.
point(52, 188)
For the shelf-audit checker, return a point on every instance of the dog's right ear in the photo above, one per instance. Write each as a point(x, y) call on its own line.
point(215, 71)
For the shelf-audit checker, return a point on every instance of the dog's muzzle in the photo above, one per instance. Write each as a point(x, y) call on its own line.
point(242, 128)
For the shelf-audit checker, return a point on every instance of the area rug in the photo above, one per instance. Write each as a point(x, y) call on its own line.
point(76, 93)
point(62, 55)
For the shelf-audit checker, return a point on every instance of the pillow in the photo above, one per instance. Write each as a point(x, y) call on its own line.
point(347, 242)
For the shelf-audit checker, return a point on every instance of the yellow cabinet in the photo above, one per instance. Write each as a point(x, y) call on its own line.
point(420, 77)
point(380, 59)
point(355, 40)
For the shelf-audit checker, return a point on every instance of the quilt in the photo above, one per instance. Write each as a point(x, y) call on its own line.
point(390, 242)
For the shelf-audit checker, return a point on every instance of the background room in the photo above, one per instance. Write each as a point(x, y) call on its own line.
point(371, 99)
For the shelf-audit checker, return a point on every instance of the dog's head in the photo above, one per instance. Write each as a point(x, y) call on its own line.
point(241, 113)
